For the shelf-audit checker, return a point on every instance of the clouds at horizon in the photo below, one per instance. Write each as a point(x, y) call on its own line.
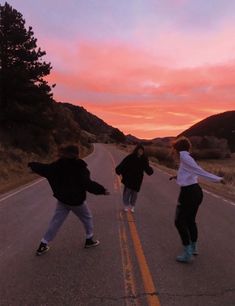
point(150, 68)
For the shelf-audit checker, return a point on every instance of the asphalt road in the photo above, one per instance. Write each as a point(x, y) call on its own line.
point(135, 262)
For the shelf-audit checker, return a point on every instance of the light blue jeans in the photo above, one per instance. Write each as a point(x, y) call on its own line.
point(61, 213)
point(129, 196)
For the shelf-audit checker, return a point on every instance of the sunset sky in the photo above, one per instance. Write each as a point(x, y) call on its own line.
point(149, 67)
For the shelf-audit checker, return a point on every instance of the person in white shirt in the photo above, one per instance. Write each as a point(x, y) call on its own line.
point(190, 197)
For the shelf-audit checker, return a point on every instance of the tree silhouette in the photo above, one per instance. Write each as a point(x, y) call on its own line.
point(22, 69)
point(29, 117)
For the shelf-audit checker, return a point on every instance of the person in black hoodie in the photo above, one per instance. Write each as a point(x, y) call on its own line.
point(132, 170)
point(69, 179)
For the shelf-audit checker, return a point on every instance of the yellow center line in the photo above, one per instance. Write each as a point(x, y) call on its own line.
point(149, 286)
point(129, 282)
point(153, 300)
point(128, 274)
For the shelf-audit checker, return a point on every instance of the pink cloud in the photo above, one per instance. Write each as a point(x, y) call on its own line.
point(132, 90)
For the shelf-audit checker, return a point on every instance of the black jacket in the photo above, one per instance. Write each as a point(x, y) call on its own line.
point(69, 180)
point(132, 169)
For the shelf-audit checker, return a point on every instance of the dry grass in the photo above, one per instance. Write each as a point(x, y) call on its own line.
point(226, 169)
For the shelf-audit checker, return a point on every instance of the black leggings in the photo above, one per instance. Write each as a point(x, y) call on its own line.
point(190, 198)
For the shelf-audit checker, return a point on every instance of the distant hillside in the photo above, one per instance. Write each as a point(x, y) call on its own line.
point(220, 126)
point(163, 140)
point(40, 131)
point(135, 140)
point(160, 141)
point(94, 125)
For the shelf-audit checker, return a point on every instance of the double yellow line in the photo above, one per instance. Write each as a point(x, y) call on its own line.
point(129, 279)
point(149, 287)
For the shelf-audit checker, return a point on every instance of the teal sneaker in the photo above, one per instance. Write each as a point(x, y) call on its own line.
point(186, 256)
point(194, 248)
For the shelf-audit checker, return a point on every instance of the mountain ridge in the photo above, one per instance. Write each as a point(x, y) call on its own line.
point(221, 125)
point(91, 123)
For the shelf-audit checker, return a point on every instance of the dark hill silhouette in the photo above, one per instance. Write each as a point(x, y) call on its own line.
point(56, 124)
point(94, 125)
point(220, 126)
point(135, 140)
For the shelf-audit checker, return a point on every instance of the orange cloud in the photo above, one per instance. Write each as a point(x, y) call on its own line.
point(152, 120)
point(132, 90)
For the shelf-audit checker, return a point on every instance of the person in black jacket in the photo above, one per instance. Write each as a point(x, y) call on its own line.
point(69, 179)
point(132, 170)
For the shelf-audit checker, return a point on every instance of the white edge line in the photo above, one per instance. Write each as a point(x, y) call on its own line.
point(21, 189)
point(219, 197)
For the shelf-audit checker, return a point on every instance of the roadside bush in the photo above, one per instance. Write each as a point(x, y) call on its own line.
point(162, 154)
point(221, 168)
point(210, 154)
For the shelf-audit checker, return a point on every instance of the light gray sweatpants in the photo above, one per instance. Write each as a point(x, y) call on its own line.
point(61, 213)
point(129, 196)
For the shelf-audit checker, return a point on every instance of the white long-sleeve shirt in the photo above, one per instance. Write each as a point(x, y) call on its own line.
point(189, 171)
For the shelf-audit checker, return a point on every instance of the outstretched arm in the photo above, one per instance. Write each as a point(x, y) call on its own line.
point(96, 188)
point(191, 166)
point(41, 169)
point(92, 186)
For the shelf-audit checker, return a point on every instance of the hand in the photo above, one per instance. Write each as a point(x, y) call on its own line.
point(223, 182)
point(174, 177)
point(31, 164)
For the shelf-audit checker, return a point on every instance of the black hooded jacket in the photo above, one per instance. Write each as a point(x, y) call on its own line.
point(132, 169)
point(69, 179)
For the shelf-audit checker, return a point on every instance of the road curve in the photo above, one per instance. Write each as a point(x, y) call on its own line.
point(135, 262)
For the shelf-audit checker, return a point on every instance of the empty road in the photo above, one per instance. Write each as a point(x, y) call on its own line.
point(135, 262)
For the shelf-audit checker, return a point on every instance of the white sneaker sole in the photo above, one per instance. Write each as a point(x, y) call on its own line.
point(41, 253)
point(92, 245)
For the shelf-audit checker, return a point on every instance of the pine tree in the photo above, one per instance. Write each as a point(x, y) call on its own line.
point(22, 70)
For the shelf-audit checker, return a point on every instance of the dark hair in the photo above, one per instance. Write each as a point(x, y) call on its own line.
point(69, 151)
point(136, 149)
point(182, 144)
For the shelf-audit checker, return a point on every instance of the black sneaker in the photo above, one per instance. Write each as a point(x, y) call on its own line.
point(91, 243)
point(43, 248)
